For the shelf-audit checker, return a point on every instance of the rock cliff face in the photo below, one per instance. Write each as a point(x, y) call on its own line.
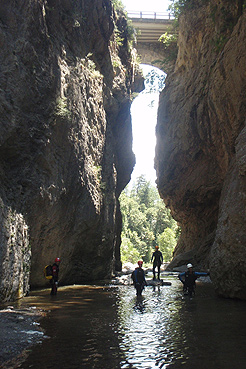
point(65, 146)
point(201, 143)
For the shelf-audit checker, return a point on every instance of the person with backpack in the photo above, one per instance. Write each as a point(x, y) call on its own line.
point(189, 278)
point(138, 278)
point(158, 260)
point(54, 279)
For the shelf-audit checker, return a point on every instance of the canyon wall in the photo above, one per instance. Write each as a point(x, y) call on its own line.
point(67, 72)
point(201, 142)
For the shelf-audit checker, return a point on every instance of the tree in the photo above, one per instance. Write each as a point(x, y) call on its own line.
point(145, 218)
point(167, 241)
point(128, 251)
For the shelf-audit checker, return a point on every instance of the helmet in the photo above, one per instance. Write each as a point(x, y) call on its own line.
point(189, 266)
point(140, 262)
point(57, 259)
point(157, 247)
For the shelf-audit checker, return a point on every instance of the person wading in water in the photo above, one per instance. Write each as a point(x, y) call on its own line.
point(138, 278)
point(54, 280)
point(189, 280)
point(158, 260)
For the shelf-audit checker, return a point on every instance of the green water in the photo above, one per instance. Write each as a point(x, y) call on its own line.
point(108, 328)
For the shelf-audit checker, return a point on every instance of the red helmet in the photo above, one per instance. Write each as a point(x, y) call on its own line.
point(57, 260)
point(157, 247)
point(140, 262)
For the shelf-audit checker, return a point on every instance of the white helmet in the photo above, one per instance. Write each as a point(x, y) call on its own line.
point(189, 266)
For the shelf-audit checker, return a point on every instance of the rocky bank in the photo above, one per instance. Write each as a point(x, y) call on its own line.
point(201, 142)
point(67, 71)
point(19, 331)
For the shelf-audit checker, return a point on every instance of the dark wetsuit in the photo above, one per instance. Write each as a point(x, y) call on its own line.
point(54, 280)
point(189, 281)
point(158, 260)
point(139, 281)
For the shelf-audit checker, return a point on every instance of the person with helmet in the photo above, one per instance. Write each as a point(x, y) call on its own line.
point(158, 260)
point(189, 280)
point(138, 278)
point(54, 280)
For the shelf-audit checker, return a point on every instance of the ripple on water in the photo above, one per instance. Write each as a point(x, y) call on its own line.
point(109, 328)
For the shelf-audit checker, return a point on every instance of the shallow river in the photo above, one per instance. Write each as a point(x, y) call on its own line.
point(108, 328)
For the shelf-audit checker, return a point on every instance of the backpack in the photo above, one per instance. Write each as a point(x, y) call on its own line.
point(48, 273)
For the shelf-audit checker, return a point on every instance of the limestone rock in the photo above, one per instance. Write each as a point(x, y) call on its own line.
point(200, 154)
point(228, 250)
point(66, 140)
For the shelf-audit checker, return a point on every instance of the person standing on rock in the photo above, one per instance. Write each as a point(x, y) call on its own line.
point(189, 280)
point(54, 280)
point(138, 278)
point(158, 260)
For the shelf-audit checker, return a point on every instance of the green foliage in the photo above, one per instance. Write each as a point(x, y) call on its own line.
point(61, 109)
point(119, 40)
point(169, 41)
point(118, 5)
point(124, 36)
point(128, 251)
point(167, 241)
point(170, 38)
point(145, 219)
point(179, 6)
point(131, 32)
point(97, 170)
point(224, 21)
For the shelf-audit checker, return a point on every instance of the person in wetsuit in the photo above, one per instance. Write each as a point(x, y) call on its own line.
point(54, 280)
point(189, 280)
point(138, 278)
point(158, 260)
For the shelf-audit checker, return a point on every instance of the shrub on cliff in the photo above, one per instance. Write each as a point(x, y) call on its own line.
point(179, 6)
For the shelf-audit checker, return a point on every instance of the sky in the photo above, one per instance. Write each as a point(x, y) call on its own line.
point(146, 5)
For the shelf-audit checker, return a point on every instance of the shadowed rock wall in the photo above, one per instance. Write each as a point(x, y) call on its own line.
point(66, 140)
point(201, 151)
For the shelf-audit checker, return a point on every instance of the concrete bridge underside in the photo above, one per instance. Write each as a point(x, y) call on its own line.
point(151, 29)
point(150, 50)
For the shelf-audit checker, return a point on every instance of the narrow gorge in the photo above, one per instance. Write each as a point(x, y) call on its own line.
point(68, 71)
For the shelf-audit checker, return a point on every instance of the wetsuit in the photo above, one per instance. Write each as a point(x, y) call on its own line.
point(158, 260)
point(189, 281)
point(54, 280)
point(139, 281)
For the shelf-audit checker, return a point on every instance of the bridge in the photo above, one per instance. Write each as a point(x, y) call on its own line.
point(151, 25)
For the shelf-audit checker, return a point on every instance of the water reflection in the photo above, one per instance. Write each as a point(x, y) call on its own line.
point(110, 328)
point(149, 331)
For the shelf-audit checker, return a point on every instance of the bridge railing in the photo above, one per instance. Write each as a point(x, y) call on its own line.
point(149, 15)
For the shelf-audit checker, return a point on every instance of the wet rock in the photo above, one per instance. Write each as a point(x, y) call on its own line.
point(123, 280)
point(158, 282)
point(19, 329)
point(180, 261)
